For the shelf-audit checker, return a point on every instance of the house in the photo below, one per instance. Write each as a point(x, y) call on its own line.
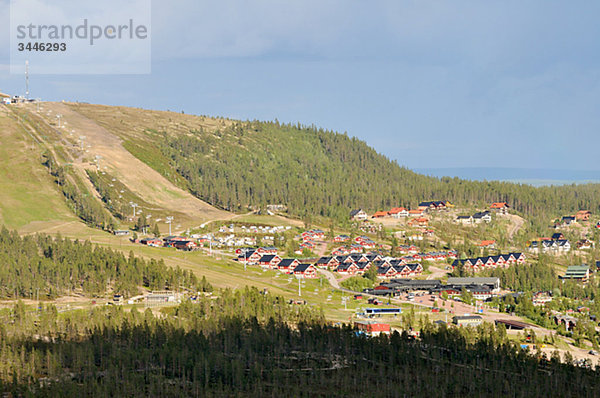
point(492, 282)
point(583, 215)
point(579, 273)
point(379, 214)
point(419, 221)
point(568, 220)
point(434, 205)
point(465, 220)
point(121, 232)
point(386, 272)
point(541, 298)
point(467, 320)
point(416, 213)
point(347, 269)
point(500, 207)
point(267, 250)
point(398, 212)
point(153, 242)
point(557, 236)
point(341, 238)
point(358, 215)
point(305, 271)
point(186, 245)
point(287, 265)
point(483, 216)
point(488, 244)
point(372, 328)
point(585, 244)
point(269, 260)
point(327, 262)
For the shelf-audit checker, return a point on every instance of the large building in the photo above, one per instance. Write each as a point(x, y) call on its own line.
point(492, 282)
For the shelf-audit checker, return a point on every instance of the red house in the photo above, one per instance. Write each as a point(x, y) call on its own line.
point(306, 271)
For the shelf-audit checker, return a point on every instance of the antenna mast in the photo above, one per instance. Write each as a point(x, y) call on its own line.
point(27, 79)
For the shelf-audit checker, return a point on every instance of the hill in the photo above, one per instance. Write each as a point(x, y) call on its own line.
point(235, 164)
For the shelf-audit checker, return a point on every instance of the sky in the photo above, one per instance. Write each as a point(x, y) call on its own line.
point(432, 84)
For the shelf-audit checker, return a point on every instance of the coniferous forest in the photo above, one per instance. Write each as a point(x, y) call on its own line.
point(318, 172)
point(245, 343)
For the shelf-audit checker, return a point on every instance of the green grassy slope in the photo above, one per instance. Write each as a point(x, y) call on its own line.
point(27, 194)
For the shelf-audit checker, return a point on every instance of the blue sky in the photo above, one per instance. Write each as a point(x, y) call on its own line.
point(429, 83)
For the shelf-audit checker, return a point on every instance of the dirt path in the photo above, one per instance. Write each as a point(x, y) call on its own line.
point(516, 224)
point(331, 278)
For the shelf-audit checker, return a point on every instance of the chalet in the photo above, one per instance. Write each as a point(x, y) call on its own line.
point(416, 213)
point(488, 244)
point(153, 242)
point(269, 260)
point(585, 244)
point(483, 216)
point(434, 205)
point(306, 271)
point(327, 262)
point(557, 236)
point(347, 269)
point(467, 320)
point(267, 250)
point(579, 273)
point(372, 328)
point(583, 215)
point(386, 272)
point(356, 248)
point(466, 220)
point(379, 214)
point(568, 220)
point(363, 267)
point(373, 257)
point(341, 238)
point(398, 212)
point(186, 245)
point(250, 257)
point(419, 221)
point(287, 265)
point(500, 207)
point(358, 215)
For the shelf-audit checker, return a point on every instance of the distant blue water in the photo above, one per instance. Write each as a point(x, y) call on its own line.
point(535, 177)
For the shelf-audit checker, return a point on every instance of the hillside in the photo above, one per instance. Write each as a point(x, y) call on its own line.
point(233, 164)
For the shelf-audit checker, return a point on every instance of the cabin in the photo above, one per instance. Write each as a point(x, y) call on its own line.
point(386, 272)
point(153, 242)
point(465, 220)
point(305, 271)
point(488, 244)
point(287, 265)
point(419, 221)
point(372, 328)
point(483, 216)
point(185, 245)
point(358, 215)
point(341, 238)
point(267, 250)
point(269, 260)
point(398, 212)
point(583, 215)
point(500, 207)
point(557, 236)
point(379, 214)
point(568, 220)
point(327, 262)
point(347, 269)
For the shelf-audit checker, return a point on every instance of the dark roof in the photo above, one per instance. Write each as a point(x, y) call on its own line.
point(286, 262)
point(324, 260)
point(267, 257)
point(355, 212)
point(302, 267)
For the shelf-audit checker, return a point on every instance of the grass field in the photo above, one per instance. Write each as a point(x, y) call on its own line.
point(27, 194)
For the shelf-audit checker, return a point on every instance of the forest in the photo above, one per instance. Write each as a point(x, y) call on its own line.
point(45, 267)
point(322, 173)
point(246, 343)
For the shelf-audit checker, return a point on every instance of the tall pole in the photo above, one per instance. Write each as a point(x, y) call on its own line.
point(27, 79)
point(169, 220)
